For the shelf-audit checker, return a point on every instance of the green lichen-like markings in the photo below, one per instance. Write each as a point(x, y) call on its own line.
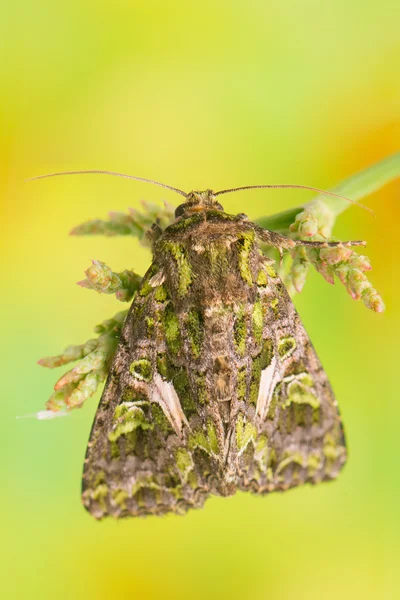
point(129, 441)
point(160, 294)
point(127, 418)
point(99, 494)
point(261, 451)
point(300, 414)
point(240, 330)
point(185, 275)
point(162, 365)
point(270, 271)
point(195, 331)
point(241, 383)
point(99, 477)
point(213, 252)
point(220, 216)
point(206, 440)
point(274, 304)
point(255, 380)
point(181, 384)
point(132, 395)
point(245, 244)
point(119, 497)
point(314, 463)
point(212, 437)
point(114, 450)
point(316, 416)
point(201, 388)
point(286, 347)
point(172, 330)
point(271, 458)
point(141, 369)
point(257, 320)
point(332, 450)
point(266, 353)
point(219, 261)
point(147, 481)
point(128, 394)
point(262, 278)
point(245, 433)
point(98, 489)
point(192, 480)
point(298, 394)
point(304, 378)
point(259, 363)
point(150, 324)
point(185, 223)
point(274, 401)
point(160, 421)
point(146, 288)
point(184, 463)
point(290, 458)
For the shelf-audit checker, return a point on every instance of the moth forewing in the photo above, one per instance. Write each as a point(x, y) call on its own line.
point(215, 386)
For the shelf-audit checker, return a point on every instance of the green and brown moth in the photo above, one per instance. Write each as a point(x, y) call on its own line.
point(214, 385)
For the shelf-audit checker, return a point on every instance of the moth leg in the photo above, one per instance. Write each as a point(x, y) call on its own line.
point(154, 232)
point(347, 244)
point(282, 242)
point(271, 238)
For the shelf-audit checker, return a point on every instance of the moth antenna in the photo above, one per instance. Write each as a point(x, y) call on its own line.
point(292, 185)
point(95, 171)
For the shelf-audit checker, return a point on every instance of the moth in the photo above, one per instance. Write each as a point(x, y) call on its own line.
point(215, 385)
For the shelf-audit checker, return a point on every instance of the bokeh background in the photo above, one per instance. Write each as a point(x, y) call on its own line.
point(209, 94)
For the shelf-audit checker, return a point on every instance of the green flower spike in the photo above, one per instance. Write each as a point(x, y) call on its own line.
point(135, 223)
point(81, 382)
point(315, 220)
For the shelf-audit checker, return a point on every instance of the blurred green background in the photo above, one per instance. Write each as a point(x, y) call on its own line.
point(194, 94)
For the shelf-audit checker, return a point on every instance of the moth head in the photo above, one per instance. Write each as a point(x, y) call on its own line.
point(196, 202)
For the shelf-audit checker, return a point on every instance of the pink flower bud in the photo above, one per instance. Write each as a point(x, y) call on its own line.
point(373, 300)
point(333, 256)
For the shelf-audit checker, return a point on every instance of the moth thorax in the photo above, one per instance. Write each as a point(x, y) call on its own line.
point(198, 201)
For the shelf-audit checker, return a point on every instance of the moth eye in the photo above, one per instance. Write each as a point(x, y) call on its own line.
point(218, 206)
point(179, 210)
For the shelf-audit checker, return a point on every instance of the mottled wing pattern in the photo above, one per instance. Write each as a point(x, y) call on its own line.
point(215, 385)
point(291, 432)
point(137, 462)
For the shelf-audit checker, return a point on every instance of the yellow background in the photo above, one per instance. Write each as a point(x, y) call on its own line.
point(194, 94)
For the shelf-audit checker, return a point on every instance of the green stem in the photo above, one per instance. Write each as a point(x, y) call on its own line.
point(355, 187)
point(363, 183)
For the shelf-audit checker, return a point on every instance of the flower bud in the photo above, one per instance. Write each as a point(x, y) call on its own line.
point(299, 273)
point(332, 256)
point(84, 390)
point(373, 300)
